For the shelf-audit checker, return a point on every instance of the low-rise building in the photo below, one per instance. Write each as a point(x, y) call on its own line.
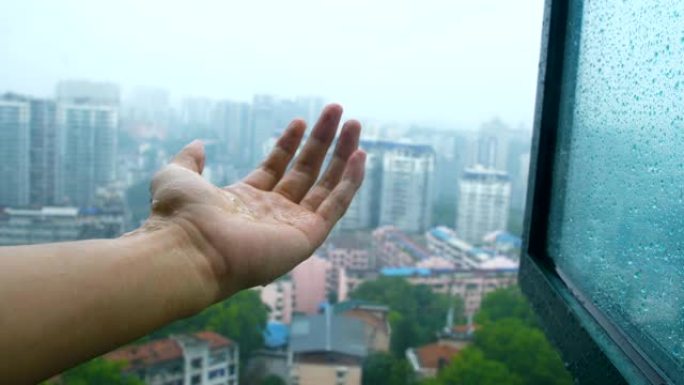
point(444, 242)
point(393, 248)
point(375, 318)
point(428, 360)
point(204, 358)
point(326, 349)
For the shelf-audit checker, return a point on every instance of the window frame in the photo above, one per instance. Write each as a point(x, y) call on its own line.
point(595, 349)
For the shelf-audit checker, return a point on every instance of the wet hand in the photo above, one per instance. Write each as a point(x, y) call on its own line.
point(259, 228)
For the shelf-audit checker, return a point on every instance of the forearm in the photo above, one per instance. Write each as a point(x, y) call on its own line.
point(64, 303)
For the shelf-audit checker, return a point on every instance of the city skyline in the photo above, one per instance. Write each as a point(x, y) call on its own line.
point(441, 63)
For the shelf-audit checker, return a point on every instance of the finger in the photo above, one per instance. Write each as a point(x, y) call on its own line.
point(299, 179)
point(335, 205)
point(191, 157)
point(273, 167)
point(347, 143)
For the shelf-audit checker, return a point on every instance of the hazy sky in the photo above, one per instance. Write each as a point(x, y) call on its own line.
point(449, 61)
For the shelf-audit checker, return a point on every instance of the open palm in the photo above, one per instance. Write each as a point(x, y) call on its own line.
point(257, 229)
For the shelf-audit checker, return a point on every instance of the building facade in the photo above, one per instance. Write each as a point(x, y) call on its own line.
point(15, 145)
point(87, 150)
point(397, 189)
point(483, 204)
point(204, 358)
point(43, 150)
point(326, 349)
point(279, 297)
point(312, 283)
point(406, 192)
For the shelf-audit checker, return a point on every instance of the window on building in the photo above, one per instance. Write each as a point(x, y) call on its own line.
point(196, 363)
point(607, 214)
point(218, 357)
point(196, 379)
point(217, 373)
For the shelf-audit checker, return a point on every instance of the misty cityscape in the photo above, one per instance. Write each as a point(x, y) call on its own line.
point(440, 209)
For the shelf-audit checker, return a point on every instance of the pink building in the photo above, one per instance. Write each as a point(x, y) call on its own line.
point(312, 282)
point(279, 297)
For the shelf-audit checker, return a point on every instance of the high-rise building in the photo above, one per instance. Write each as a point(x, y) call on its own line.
point(484, 199)
point(501, 148)
point(262, 126)
point(364, 209)
point(231, 122)
point(406, 194)
point(397, 189)
point(43, 152)
point(15, 144)
point(84, 90)
point(87, 121)
point(493, 145)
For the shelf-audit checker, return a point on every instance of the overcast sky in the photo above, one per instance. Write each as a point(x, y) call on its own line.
point(449, 61)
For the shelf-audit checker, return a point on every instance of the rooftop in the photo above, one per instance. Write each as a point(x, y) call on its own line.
point(328, 333)
point(162, 350)
point(436, 355)
point(481, 173)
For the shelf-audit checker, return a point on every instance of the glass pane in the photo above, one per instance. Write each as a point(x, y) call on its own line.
point(617, 217)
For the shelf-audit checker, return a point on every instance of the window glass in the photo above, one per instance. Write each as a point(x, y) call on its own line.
point(617, 212)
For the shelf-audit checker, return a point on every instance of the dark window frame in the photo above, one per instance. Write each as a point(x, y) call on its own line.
point(595, 349)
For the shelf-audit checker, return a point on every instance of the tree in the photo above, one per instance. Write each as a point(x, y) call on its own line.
point(98, 371)
point(416, 312)
point(506, 303)
point(385, 369)
point(471, 367)
point(508, 348)
point(524, 350)
point(272, 379)
point(242, 318)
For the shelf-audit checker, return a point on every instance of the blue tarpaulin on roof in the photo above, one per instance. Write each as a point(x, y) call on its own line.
point(276, 334)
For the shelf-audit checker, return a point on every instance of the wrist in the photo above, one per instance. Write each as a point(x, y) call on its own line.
point(178, 261)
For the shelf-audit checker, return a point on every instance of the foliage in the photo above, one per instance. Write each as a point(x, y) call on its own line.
point(508, 348)
point(241, 318)
point(272, 380)
point(385, 369)
point(98, 371)
point(473, 368)
point(524, 350)
point(506, 303)
point(416, 312)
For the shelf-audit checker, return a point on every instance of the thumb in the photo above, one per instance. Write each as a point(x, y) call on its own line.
point(191, 156)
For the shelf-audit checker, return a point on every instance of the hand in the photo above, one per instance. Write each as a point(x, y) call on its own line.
point(255, 230)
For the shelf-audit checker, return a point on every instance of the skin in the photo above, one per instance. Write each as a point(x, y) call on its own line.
point(62, 304)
